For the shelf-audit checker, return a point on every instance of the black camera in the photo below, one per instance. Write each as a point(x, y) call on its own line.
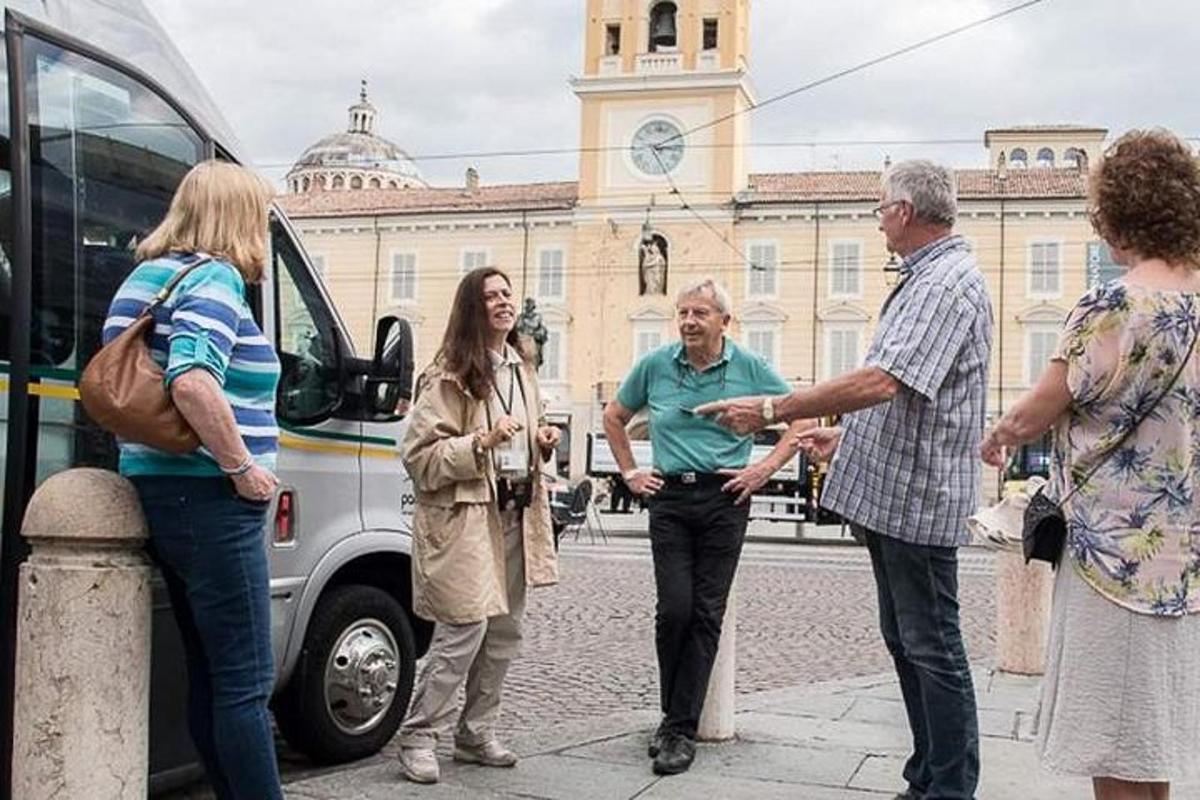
point(511, 496)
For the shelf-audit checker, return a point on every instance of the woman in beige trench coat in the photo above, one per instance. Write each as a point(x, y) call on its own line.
point(481, 529)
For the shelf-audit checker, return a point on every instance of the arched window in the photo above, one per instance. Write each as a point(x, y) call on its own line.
point(306, 184)
point(662, 26)
point(339, 182)
point(375, 183)
point(356, 182)
point(1045, 157)
point(393, 185)
point(1018, 158)
point(1074, 157)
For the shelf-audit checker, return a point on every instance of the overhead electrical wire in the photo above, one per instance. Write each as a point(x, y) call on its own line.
point(857, 68)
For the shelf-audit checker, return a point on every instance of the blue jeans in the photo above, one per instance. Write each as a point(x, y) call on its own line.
point(918, 615)
point(209, 544)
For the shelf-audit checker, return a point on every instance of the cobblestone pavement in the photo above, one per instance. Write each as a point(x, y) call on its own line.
point(805, 614)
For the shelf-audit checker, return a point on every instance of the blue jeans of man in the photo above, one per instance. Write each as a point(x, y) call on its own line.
point(208, 542)
point(696, 535)
point(918, 616)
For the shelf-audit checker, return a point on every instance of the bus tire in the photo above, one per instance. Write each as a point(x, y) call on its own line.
point(354, 678)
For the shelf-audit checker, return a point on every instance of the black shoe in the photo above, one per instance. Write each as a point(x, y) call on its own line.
point(910, 794)
point(675, 756)
point(656, 740)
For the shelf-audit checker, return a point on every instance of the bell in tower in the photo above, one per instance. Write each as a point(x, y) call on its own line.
point(662, 26)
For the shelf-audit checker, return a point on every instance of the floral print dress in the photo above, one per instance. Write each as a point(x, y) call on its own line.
point(1134, 526)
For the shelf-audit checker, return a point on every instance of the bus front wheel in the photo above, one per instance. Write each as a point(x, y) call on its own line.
point(354, 679)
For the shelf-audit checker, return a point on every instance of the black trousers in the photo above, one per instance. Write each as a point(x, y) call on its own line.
point(696, 535)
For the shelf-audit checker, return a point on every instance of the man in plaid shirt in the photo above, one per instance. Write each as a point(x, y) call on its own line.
point(905, 470)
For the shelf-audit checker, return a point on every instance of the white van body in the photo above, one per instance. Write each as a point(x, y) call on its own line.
point(113, 117)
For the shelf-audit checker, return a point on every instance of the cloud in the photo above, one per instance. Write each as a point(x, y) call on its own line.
point(480, 75)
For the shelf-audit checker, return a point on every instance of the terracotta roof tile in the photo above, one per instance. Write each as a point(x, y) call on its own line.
point(772, 187)
point(451, 200)
point(973, 184)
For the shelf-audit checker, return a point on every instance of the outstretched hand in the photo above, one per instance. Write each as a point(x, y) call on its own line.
point(742, 415)
point(745, 481)
point(819, 443)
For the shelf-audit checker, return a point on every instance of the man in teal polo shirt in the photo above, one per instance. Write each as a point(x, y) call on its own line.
point(698, 494)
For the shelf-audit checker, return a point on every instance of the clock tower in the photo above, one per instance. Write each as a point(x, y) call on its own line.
point(657, 74)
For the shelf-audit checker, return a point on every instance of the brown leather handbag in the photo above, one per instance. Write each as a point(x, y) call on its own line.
point(122, 387)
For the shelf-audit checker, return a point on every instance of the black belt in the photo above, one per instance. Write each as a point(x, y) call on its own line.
point(693, 480)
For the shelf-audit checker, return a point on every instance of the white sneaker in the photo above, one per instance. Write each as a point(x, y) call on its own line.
point(489, 754)
point(419, 764)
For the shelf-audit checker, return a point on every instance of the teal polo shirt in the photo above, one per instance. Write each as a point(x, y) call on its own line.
point(664, 380)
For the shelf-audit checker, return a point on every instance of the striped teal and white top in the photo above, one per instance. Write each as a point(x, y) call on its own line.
point(205, 324)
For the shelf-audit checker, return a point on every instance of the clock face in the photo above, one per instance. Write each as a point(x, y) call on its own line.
point(667, 157)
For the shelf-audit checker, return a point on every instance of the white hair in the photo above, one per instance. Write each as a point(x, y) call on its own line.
point(716, 292)
point(928, 186)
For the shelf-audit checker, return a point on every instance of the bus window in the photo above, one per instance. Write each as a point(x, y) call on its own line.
point(306, 338)
point(6, 250)
point(106, 154)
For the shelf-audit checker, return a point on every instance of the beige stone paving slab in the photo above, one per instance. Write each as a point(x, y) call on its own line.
point(691, 787)
point(556, 777)
point(742, 759)
point(992, 722)
point(824, 734)
point(1008, 771)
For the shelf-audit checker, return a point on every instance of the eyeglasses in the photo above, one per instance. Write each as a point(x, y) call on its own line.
point(879, 209)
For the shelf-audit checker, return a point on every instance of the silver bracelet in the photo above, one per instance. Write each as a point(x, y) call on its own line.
point(240, 469)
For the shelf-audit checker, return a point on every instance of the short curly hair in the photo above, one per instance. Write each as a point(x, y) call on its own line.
point(1145, 197)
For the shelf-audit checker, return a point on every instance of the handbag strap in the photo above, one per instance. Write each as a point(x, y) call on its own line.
point(1142, 418)
point(161, 296)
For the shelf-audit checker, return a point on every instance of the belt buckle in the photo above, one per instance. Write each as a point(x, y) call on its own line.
point(687, 478)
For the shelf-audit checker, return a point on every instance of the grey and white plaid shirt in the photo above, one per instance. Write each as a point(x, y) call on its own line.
point(909, 468)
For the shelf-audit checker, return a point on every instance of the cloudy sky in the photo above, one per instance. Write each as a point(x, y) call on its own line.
point(488, 75)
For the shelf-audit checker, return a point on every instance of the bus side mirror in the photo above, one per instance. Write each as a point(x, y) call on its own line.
point(389, 386)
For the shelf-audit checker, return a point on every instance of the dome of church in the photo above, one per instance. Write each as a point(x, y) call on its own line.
point(356, 159)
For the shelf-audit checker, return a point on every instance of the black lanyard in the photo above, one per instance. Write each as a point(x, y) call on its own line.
point(513, 380)
point(685, 369)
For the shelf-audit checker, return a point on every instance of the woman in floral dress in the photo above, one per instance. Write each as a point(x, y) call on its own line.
point(1121, 695)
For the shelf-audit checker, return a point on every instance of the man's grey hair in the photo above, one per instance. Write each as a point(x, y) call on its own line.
point(716, 292)
point(928, 186)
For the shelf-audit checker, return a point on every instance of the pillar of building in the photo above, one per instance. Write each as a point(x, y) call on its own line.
point(81, 718)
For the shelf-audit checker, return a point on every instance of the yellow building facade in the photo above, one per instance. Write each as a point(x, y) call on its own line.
point(663, 158)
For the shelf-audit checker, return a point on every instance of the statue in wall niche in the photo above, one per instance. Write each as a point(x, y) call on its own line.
point(530, 324)
point(652, 266)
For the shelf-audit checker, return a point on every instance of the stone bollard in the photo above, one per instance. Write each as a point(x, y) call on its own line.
point(716, 720)
point(81, 721)
point(1023, 593)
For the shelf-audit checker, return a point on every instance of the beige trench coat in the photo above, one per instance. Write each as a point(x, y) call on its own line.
point(458, 544)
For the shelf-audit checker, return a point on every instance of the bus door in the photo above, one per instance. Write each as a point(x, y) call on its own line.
point(104, 151)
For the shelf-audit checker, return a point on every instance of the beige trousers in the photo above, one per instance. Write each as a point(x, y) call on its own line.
point(479, 653)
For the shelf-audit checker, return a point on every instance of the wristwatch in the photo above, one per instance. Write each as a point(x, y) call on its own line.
point(768, 410)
